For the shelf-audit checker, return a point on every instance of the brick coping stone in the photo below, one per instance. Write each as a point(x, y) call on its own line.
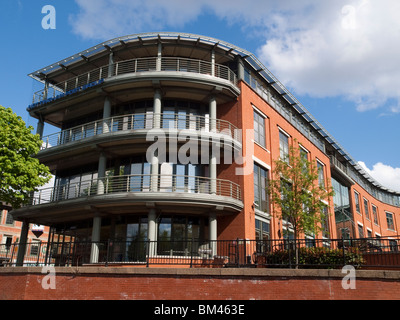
point(217, 272)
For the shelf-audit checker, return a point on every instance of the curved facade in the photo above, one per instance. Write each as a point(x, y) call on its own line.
point(173, 136)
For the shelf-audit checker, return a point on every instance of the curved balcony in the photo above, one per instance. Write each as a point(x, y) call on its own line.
point(134, 66)
point(133, 193)
point(140, 124)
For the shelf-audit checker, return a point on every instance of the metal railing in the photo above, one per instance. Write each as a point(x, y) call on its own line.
point(138, 183)
point(141, 121)
point(136, 66)
point(366, 253)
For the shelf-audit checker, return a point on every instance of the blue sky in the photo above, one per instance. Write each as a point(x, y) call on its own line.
point(338, 57)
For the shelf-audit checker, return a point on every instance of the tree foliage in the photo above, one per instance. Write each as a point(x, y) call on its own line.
point(298, 197)
point(20, 173)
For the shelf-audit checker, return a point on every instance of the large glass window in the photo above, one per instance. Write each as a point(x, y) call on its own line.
point(343, 213)
point(389, 220)
point(181, 235)
point(284, 146)
point(260, 188)
point(259, 129)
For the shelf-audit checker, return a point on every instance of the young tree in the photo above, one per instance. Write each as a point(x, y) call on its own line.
point(297, 195)
point(20, 173)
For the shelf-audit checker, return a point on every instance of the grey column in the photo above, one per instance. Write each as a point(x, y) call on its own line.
point(213, 63)
point(159, 57)
point(111, 65)
point(213, 233)
point(23, 239)
point(106, 115)
point(40, 127)
point(96, 229)
point(156, 125)
point(101, 186)
point(214, 153)
point(240, 70)
point(152, 232)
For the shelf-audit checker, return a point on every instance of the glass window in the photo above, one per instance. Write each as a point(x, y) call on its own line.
point(262, 230)
point(260, 188)
point(357, 201)
point(389, 220)
point(259, 129)
point(284, 146)
point(375, 214)
point(9, 219)
point(366, 208)
point(321, 176)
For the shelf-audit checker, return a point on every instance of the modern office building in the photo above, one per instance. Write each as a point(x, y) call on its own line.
point(173, 136)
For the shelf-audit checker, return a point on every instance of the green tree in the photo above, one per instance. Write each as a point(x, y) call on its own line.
point(20, 173)
point(298, 197)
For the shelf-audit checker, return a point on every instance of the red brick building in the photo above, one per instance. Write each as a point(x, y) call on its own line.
point(114, 102)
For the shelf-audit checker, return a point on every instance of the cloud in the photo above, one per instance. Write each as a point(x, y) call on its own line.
point(386, 175)
point(346, 48)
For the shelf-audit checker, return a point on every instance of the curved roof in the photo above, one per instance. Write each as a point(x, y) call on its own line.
point(252, 60)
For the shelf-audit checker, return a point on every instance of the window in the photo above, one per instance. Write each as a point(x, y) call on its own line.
point(375, 214)
point(360, 231)
point(9, 219)
point(260, 188)
point(321, 176)
point(262, 230)
point(366, 208)
point(357, 201)
point(284, 146)
point(35, 248)
point(389, 220)
point(304, 159)
point(259, 129)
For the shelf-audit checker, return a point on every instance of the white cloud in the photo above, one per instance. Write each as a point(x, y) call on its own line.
point(386, 175)
point(347, 48)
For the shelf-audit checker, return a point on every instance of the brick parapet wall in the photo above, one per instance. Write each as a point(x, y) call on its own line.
point(112, 283)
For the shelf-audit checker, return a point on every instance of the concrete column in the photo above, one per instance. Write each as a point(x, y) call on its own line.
point(111, 65)
point(40, 127)
point(106, 115)
point(152, 232)
point(213, 114)
point(212, 225)
point(159, 57)
point(96, 229)
point(156, 125)
point(213, 155)
point(157, 109)
point(213, 63)
point(240, 68)
point(23, 239)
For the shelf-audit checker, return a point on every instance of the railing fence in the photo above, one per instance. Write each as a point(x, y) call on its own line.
point(366, 253)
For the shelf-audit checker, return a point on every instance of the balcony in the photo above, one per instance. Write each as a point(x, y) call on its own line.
point(137, 67)
point(141, 123)
point(132, 194)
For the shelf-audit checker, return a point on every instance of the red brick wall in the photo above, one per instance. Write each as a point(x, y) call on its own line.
point(195, 284)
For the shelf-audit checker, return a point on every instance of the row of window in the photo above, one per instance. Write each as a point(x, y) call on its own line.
point(389, 215)
point(260, 138)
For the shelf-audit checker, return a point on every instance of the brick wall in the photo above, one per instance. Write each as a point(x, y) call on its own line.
point(93, 283)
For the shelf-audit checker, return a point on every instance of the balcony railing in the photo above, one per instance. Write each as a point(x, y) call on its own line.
point(136, 66)
point(138, 184)
point(365, 253)
point(141, 121)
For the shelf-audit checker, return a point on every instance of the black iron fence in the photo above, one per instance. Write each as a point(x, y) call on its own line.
point(365, 253)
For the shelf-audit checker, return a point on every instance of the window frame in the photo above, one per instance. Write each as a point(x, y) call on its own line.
point(260, 136)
